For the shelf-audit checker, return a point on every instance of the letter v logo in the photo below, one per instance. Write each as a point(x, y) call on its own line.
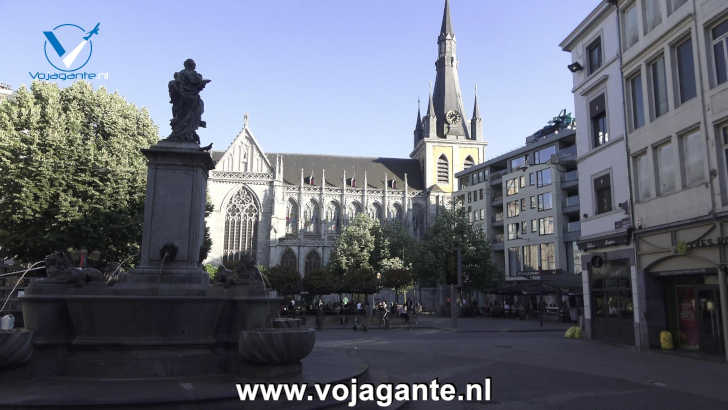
point(69, 34)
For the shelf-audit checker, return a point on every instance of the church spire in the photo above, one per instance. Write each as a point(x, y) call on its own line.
point(447, 97)
point(476, 109)
point(446, 27)
point(418, 124)
point(476, 123)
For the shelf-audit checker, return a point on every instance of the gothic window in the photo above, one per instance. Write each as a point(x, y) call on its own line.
point(443, 170)
point(354, 209)
point(241, 225)
point(333, 217)
point(312, 217)
point(313, 262)
point(292, 218)
point(397, 212)
point(375, 212)
point(289, 261)
point(468, 162)
point(418, 220)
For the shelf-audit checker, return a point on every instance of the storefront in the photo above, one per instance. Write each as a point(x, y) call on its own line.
point(683, 272)
point(608, 288)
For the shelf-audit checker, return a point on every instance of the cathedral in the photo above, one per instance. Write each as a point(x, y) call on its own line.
point(289, 209)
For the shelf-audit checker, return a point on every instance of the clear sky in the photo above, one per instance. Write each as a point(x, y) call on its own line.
point(316, 76)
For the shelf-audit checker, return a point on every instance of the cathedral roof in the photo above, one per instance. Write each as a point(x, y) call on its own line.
point(336, 166)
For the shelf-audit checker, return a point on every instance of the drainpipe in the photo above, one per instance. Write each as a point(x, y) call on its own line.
point(640, 317)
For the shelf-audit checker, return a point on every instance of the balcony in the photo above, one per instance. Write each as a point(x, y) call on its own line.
point(573, 226)
point(567, 153)
point(569, 179)
point(571, 205)
point(497, 219)
point(496, 200)
point(496, 177)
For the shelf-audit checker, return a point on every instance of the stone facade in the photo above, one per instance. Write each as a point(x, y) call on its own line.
point(289, 209)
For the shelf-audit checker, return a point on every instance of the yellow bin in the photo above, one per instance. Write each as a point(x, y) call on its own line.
point(666, 340)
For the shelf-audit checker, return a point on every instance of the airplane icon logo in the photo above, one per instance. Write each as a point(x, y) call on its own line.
point(63, 59)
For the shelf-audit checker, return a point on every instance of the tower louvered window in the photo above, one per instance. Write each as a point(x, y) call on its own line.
point(468, 162)
point(443, 170)
point(241, 226)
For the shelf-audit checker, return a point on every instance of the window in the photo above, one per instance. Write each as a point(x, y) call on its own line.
point(642, 176)
point(312, 218)
point(544, 155)
point(241, 226)
point(524, 228)
point(523, 204)
point(665, 168)
point(480, 193)
point(532, 179)
point(543, 177)
point(512, 186)
point(443, 170)
point(513, 231)
point(631, 29)
point(685, 72)
point(719, 36)
point(548, 256)
point(594, 53)
point(468, 163)
point(289, 261)
point(514, 209)
point(534, 202)
point(692, 159)
point(534, 225)
point(546, 225)
point(482, 214)
point(291, 218)
point(313, 262)
point(637, 101)
point(514, 260)
point(652, 14)
point(470, 194)
point(518, 162)
point(544, 201)
point(523, 181)
point(658, 82)
point(598, 115)
point(675, 4)
point(530, 258)
point(333, 217)
point(603, 194)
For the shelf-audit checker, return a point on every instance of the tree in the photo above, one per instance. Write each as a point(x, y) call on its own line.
point(285, 281)
point(71, 172)
point(396, 275)
point(358, 254)
point(320, 282)
point(436, 260)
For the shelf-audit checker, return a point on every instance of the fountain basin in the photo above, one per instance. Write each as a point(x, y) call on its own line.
point(16, 347)
point(276, 346)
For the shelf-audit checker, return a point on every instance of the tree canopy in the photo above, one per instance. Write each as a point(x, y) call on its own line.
point(71, 171)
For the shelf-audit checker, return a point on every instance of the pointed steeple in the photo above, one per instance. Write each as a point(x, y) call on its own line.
point(476, 123)
point(446, 27)
point(430, 120)
point(418, 124)
point(447, 97)
point(430, 107)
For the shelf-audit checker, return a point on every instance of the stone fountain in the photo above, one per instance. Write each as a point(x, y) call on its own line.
point(165, 320)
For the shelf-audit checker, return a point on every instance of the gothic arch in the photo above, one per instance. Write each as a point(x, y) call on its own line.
point(289, 260)
point(241, 225)
point(397, 213)
point(354, 209)
point(468, 162)
point(376, 211)
point(312, 217)
point(291, 217)
point(443, 170)
point(313, 261)
point(333, 217)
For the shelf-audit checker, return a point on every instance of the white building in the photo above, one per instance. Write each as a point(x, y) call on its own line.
point(604, 199)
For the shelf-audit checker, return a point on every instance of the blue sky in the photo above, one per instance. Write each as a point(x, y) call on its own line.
point(316, 76)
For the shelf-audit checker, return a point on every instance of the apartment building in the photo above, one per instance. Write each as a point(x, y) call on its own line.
point(609, 274)
point(674, 57)
point(527, 203)
point(5, 91)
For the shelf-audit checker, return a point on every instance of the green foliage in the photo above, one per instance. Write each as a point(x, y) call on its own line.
point(71, 172)
point(321, 282)
point(395, 274)
point(207, 239)
point(211, 270)
point(354, 248)
point(436, 259)
point(285, 281)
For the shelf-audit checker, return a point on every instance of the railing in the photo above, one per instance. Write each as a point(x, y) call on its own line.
point(567, 152)
point(571, 201)
point(498, 217)
point(498, 238)
point(573, 226)
point(498, 198)
point(496, 176)
point(570, 176)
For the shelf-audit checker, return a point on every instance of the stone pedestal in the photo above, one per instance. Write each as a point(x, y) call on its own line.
point(174, 213)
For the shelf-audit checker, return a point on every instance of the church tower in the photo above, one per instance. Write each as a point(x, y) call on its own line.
point(445, 141)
